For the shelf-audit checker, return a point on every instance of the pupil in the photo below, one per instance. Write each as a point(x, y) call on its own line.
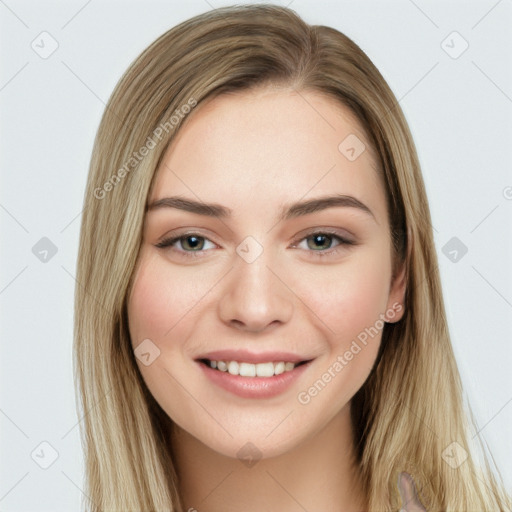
point(195, 243)
point(318, 239)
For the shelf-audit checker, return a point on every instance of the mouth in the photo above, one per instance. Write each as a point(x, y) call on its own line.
point(262, 377)
point(246, 369)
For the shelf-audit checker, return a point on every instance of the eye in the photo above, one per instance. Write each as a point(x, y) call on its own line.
point(191, 243)
point(321, 243)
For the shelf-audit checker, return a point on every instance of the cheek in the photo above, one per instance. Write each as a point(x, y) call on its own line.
point(349, 306)
point(162, 301)
point(162, 307)
point(350, 299)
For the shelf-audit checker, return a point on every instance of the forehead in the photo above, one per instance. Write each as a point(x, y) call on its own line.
point(270, 144)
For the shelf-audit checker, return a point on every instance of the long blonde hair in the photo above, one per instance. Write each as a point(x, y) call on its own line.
point(409, 411)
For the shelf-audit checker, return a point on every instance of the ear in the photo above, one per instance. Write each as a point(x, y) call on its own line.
point(396, 300)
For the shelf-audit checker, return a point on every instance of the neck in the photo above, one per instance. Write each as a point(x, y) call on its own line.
point(319, 474)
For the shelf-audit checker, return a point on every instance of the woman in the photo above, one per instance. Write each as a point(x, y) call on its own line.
point(259, 321)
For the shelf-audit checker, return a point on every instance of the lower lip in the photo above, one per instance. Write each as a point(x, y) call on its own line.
point(254, 387)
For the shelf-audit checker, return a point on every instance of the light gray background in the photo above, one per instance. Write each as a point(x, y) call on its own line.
point(459, 110)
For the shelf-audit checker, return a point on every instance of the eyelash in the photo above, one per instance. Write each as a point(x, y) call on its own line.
point(168, 242)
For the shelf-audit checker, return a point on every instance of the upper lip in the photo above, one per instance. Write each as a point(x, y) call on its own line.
point(246, 356)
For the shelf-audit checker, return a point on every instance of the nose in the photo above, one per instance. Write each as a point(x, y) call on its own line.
point(254, 297)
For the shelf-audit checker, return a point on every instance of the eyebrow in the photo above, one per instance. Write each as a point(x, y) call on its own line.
point(289, 211)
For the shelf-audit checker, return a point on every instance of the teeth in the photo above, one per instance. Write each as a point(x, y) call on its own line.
point(233, 368)
point(279, 368)
point(248, 370)
point(253, 370)
point(264, 369)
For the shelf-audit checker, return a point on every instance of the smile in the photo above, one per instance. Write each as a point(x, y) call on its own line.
point(253, 380)
point(253, 370)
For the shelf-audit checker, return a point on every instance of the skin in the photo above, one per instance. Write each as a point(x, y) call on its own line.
point(409, 494)
point(254, 152)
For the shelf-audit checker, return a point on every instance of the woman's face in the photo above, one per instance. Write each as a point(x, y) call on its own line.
point(272, 280)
